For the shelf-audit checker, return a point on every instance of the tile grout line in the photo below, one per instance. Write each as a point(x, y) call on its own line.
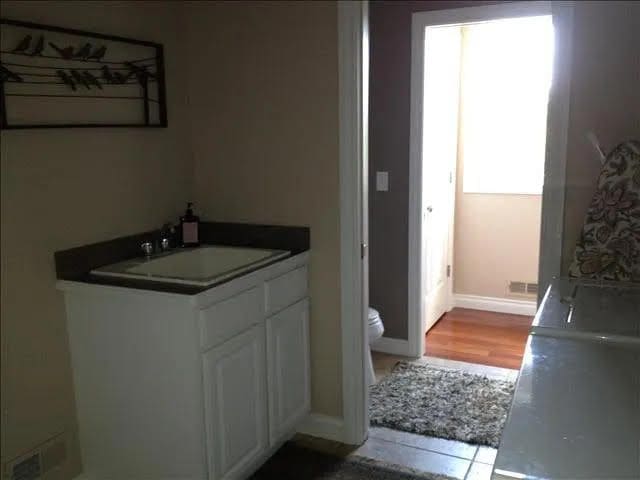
point(475, 455)
point(466, 475)
point(426, 449)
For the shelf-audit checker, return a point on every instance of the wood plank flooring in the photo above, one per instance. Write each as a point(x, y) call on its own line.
point(476, 336)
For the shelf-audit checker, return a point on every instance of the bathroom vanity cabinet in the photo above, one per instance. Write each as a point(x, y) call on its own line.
point(175, 386)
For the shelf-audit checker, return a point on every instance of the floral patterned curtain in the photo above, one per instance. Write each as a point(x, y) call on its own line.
point(609, 246)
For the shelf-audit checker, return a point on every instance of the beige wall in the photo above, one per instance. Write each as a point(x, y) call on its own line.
point(496, 239)
point(263, 98)
point(605, 98)
point(262, 106)
point(496, 236)
point(63, 188)
point(263, 101)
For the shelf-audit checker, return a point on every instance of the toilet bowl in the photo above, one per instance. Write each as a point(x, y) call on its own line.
point(376, 329)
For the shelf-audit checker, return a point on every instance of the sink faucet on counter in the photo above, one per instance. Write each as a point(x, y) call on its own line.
point(163, 241)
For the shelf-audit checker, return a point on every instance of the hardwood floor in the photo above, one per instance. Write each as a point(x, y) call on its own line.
point(476, 336)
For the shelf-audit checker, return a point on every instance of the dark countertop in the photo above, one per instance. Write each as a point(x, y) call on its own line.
point(75, 264)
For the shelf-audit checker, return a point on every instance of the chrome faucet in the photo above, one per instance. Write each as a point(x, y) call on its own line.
point(161, 242)
point(147, 248)
point(167, 234)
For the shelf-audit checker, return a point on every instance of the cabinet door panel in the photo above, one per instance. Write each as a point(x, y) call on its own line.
point(235, 404)
point(288, 368)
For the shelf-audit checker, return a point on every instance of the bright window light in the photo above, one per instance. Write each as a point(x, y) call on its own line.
point(505, 80)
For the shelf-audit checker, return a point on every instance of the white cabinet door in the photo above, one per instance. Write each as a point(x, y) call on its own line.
point(235, 404)
point(288, 368)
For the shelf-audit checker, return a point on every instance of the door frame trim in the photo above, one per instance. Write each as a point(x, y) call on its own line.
point(552, 218)
point(555, 167)
point(353, 61)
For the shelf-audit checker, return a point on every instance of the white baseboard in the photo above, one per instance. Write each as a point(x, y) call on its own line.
point(394, 346)
point(323, 426)
point(493, 304)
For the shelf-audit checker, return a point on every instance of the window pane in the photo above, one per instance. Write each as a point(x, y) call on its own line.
point(506, 75)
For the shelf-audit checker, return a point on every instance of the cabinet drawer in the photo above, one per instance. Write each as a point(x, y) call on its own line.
point(230, 317)
point(285, 290)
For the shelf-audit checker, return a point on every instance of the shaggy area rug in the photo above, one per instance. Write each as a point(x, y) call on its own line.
point(441, 403)
point(293, 462)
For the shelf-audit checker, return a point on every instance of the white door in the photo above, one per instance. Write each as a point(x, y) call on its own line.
point(235, 404)
point(288, 369)
point(439, 155)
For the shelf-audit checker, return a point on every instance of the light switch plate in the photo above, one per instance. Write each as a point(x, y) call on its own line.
point(382, 181)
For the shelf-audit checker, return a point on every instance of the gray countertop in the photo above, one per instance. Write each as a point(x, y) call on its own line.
point(575, 413)
point(576, 408)
point(601, 309)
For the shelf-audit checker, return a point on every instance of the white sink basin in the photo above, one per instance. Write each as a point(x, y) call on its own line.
point(201, 266)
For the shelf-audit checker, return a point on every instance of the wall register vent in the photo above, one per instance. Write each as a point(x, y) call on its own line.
point(35, 464)
point(522, 288)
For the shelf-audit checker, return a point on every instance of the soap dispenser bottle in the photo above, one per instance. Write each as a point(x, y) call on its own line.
point(190, 228)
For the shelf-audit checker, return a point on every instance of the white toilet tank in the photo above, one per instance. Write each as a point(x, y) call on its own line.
point(376, 328)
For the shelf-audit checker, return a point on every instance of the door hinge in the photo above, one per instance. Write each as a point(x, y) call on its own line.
point(363, 250)
point(450, 177)
point(448, 270)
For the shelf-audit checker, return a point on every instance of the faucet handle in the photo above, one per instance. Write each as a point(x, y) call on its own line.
point(147, 248)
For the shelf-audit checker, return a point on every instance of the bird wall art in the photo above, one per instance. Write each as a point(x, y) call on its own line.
point(39, 48)
point(23, 45)
point(66, 52)
point(59, 76)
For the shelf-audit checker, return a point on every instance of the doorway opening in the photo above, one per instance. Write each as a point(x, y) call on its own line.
point(485, 96)
point(480, 90)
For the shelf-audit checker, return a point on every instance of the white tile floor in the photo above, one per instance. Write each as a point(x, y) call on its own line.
point(428, 454)
point(459, 460)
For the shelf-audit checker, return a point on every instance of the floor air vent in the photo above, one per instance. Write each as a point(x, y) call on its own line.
point(522, 288)
point(36, 464)
point(27, 469)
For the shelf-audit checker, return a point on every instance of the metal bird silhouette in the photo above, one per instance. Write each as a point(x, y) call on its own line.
point(119, 78)
point(112, 77)
point(141, 72)
point(79, 78)
point(66, 53)
point(98, 54)
point(106, 74)
point(91, 79)
point(66, 79)
point(6, 74)
point(84, 51)
point(37, 50)
point(23, 45)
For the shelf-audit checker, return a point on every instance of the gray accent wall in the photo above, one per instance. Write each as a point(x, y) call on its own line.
point(605, 98)
point(390, 79)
